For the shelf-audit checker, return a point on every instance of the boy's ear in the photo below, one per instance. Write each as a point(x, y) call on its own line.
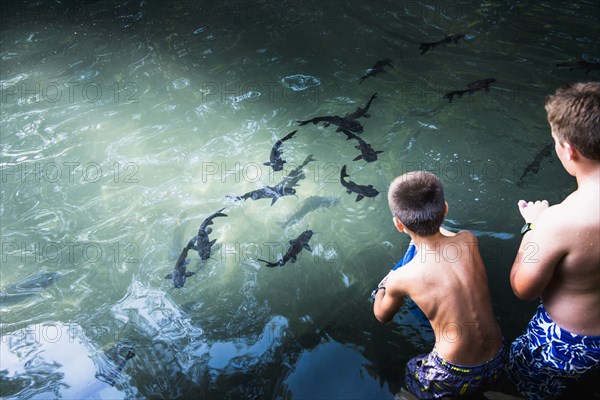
point(446, 210)
point(398, 224)
point(572, 152)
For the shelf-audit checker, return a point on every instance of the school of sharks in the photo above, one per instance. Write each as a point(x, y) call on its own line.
point(351, 127)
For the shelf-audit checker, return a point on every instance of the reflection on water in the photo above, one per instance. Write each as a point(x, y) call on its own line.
point(123, 125)
point(56, 359)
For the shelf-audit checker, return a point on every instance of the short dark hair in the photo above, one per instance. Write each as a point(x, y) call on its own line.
point(574, 115)
point(417, 200)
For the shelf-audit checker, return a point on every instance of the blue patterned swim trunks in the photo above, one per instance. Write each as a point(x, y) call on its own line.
point(546, 359)
point(429, 376)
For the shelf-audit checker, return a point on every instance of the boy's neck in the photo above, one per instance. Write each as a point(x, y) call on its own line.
point(428, 241)
point(588, 175)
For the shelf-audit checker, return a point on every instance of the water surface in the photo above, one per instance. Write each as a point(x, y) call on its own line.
point(124, 124)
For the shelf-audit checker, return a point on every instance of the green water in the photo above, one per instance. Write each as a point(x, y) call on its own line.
point(125, 124)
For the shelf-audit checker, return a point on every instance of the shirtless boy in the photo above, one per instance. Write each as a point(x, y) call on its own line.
point(559, 257)
point(448, 281)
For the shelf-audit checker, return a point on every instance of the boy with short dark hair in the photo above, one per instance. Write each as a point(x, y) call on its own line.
point(448, 281)
point(559, 257)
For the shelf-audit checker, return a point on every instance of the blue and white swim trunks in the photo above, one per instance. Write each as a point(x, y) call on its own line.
point(546, 359)
point(429, 376)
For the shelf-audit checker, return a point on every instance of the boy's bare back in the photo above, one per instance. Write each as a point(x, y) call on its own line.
point(561, 261)
point(448, 281)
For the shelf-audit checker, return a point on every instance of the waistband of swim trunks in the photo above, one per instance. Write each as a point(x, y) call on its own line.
point(497, 362)
point(562, 334)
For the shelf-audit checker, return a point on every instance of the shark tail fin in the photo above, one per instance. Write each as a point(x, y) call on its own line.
point(289, 136)
point(191, 243)
point(425, 47)
point(349, 135)
point(344, 174)
point(268, 263)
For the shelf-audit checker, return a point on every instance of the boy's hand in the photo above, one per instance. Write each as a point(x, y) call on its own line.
point(531, 211)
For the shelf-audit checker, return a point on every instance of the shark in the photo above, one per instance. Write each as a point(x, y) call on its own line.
point(534, 166)
point(267, 192)
point(362, 111)
point(203, 245)
point(311, 204)
point(482, 84)
point(180, 274)
point(367, 152)
point(296, 174)
point(341, 122)
point(361, 190)
point(348, 122)
point(27, 287)
point(425, 47)
point(376, 69)
point(296, 246)
point(275, 160)
point(580, 64)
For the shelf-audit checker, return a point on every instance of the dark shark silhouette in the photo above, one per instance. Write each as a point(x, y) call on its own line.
point(27, 288)
point(110, 375)
point(296, 246)
point(351, 187)
point(376, 69)
point(425, 47)
point(471, 88)
point(346, 123)
point(534, 166)
point(296, 174)
point(275, 160)
point(180, 274)
point(267, 192)
point(311, 204)
point(203, 245)
point(580, 64)
point(362, 111)
point(341, 122)
point(283, 188)
point(367, 152)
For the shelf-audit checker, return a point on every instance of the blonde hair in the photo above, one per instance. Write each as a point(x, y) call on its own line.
point(574, 115)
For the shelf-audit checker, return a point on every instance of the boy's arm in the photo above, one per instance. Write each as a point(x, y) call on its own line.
point(389, 298)
point(540, 251)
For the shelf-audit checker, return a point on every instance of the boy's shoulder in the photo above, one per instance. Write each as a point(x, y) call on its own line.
point(464, 237)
